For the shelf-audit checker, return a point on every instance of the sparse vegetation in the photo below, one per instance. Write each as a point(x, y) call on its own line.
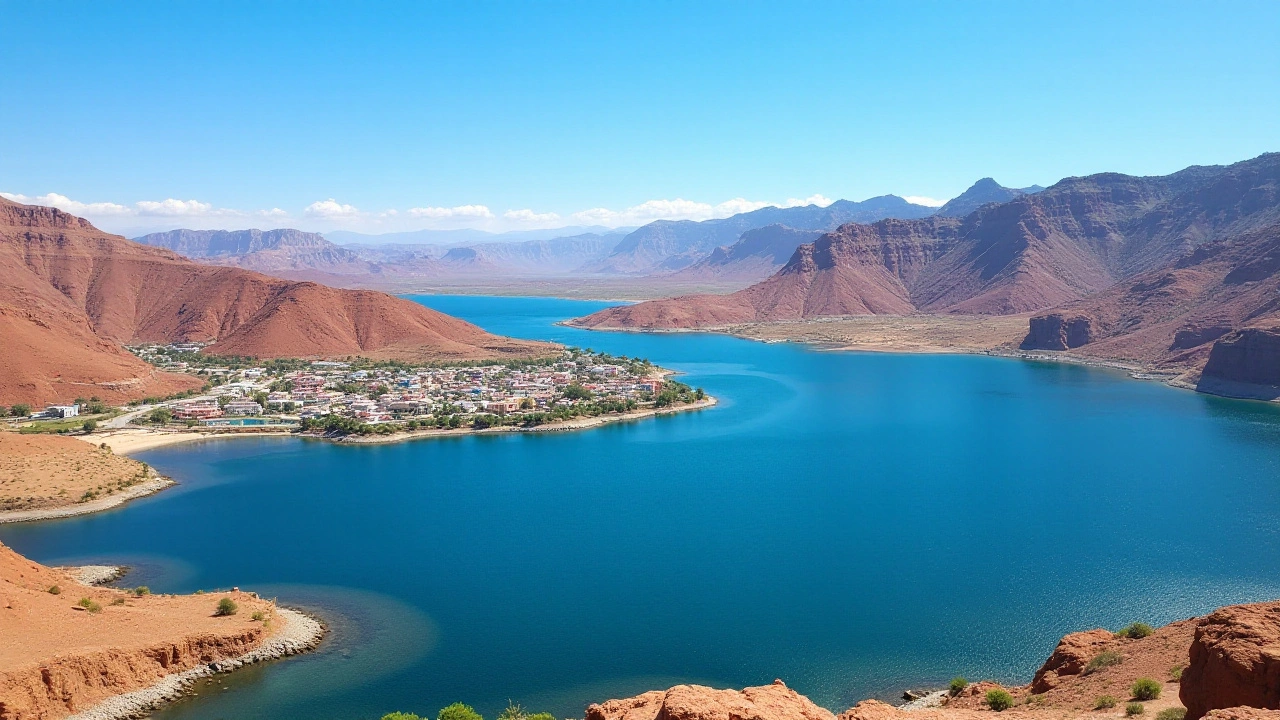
point(1104, 659)
point(226, 606)
point(1175, 672)
point(999, 700)
point(1136, 631)
point(55, 590)
point(400, 716)
point(1104, 702)
point(90, 605)
point(1146, 689)
point(117, 601)
point(513, 711)
point(458, 711)
point(1134, 708)
point(1173, 713)
point(258, 616)
point(142, 590)
point(89, 425)
point(160, 416)
point(957, 685)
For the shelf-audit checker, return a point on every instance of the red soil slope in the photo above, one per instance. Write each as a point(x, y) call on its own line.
point(72, 294)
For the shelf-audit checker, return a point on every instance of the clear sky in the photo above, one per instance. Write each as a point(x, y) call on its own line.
point(144, 115)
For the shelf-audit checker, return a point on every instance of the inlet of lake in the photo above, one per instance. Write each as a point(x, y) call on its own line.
point(854, 523)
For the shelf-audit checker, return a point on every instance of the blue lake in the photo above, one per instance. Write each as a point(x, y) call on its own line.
point(855, 524)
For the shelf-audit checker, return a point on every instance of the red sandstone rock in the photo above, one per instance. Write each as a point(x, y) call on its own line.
point(1243, 713)
point(696, 702)
point(1071, 657)
point(1235, 660)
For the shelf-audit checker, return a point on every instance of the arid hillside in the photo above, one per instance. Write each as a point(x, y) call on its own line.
point(71, 295)
point(1151, 269)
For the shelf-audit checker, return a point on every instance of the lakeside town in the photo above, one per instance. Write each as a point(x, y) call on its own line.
point(365, 397)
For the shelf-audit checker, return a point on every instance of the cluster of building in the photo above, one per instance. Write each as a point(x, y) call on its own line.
point(381, 395)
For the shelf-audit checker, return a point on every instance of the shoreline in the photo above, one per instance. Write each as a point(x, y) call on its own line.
point(150, 487)
point(135, 440)
point(298, 633)
point(1173, 377)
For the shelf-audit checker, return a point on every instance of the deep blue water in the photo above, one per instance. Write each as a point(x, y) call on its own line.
point(852, 523)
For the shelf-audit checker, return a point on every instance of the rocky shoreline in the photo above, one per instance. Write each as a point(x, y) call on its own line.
point(299, 633)
point(155, 484)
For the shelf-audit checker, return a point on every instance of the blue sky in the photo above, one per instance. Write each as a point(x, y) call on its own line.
point(501, 115)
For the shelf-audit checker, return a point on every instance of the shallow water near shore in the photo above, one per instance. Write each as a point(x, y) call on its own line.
point(853, 523)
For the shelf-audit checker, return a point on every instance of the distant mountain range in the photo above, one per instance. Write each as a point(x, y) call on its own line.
point(1179, 271)
point(465, 236)
point(282, 252)
point(670, 245)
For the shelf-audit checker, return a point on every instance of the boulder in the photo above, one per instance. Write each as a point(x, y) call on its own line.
point(1243, 713)
point(1072, 655)
point(1235, 660)
point(697, 702)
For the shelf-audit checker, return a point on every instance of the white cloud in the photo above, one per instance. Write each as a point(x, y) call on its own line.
point(816, 199)
point(331, 210)
point(466, 212)
point(926, 201)
point(174, 208)
point(528, 216)
point(737, 205)
point(272, 214)
point(678, 209)
point(62, 202)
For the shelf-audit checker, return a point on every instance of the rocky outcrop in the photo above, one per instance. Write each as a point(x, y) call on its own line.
point(1235, 660)
point(1056, 331)
point(1071, 657)
point(1251, 355)
point(1243, 713)
point(697, 702)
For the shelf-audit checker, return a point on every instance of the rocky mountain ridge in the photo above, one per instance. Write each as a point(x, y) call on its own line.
point(1148, 269)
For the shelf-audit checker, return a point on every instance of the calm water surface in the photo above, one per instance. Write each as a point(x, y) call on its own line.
point(852, 523)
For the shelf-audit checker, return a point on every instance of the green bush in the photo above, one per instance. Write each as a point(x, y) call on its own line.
point(89, 425)
point(1104, 702)
point(400, 716)
point(90, 605)
point(20, 410)
point(258, 616)
point(957, 685)
point(1146, 689)
point(226, 606)
point(142, 590)
point(1173, 713)
point(576, 391)
point(1134, 709)
point(1136, 630)
point(1175, 672)
point(55, 590)
point(1104, 659)
point(458, 711)
point(161, 416)
point(999, 700)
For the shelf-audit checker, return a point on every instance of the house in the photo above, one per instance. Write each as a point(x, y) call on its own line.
point(62, 411)
point(197, 410)
point(242, 407)
point(502, 407)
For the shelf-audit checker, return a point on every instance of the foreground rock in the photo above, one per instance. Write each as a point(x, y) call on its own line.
point(68, 648)
point(1234, 660)
point(697, 702)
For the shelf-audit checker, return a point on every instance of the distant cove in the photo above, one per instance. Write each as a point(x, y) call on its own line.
point(853, 523)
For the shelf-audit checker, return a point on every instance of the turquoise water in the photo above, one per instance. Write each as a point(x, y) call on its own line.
point(853, 523)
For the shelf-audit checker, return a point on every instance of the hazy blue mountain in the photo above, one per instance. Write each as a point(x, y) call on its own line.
point(671, 245)
point(466, 236)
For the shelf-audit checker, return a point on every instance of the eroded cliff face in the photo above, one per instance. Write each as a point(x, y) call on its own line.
point(64, 685)
point(1057, 331)
point(1251, 355)
point(1234, 660)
